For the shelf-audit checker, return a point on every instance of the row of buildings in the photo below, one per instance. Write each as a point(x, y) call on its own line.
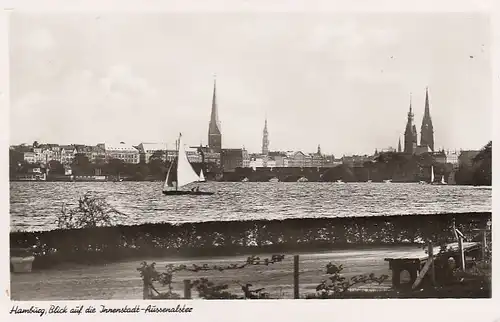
point(228, 159)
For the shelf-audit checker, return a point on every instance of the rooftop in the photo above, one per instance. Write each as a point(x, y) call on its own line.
point(119, 147)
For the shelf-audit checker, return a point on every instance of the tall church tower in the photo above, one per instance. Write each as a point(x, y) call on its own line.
point(214, 129)
point(265, 140)
point(427, 130)
point(410, 133)
point(399, 145)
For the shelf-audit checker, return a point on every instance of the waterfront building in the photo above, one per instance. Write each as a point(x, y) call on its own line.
point(427, 129)
point(193, 155)
point(279, 158)
point(214, 127)
point(98, 153)
point(29, 157)
point(452, 158)
point(410, 133)
point(147, 150)
point(439, 156)
point(86, 150)
point(300, 159)
point(234, 158)
point(122, 151)
point(67, 154)
point(256, 162)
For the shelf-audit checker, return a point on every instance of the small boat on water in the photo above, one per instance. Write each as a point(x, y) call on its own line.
point(202, 177)
point(339, 181)
point(388, 181)
point(302, 179)
point(181, 175)
point(274, 179)
point(442, 182)
point(245, 179)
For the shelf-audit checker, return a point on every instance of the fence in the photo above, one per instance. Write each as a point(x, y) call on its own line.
point(149, 289)
point(336, 282)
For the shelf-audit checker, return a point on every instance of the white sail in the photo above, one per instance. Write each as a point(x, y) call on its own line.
point(202, 177)
point(432, 174)
point(167, 185)
point(185, 171)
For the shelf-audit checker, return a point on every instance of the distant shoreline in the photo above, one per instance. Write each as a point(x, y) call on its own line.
point(227, 181)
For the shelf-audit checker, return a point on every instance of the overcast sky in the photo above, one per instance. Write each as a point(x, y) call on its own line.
point(339, 80)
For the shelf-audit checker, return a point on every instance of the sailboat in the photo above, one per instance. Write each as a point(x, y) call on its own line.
point(181, 174)
point(202, 177)
point(442, 182)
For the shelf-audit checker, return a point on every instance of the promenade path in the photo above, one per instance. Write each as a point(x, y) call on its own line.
point(121, 280)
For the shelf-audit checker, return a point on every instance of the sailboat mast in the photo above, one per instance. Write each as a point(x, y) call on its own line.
point(177, 165)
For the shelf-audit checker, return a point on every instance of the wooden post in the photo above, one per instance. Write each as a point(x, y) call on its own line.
point(187, 289)
point(430, 250)
point(461, 251)
point(146, 290)
point(296, 276)
point(483, 246)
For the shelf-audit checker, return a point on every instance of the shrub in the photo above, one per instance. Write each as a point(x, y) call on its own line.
point(91, 212)
point(337, 285)
point(205, 288)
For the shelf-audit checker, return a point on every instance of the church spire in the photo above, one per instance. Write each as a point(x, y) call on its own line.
point(427, 129)
point(265, 139)
point(399, 145)
point(214, 129)
point(410, 140)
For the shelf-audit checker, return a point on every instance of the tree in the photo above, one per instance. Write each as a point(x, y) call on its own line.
point(91, 211)
point(482, 166)
point(56, 167)
point(157, 167)
point(115, 167)
point(16, 161)
point(157, 155)
point(81, 164)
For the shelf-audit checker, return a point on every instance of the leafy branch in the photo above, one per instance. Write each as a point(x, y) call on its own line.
point(338, 284)
point(92, 211)
point(205, 288)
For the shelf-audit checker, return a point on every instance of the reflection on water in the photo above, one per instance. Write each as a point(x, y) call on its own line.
point(34, 205)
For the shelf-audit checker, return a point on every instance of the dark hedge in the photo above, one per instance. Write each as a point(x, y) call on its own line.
point(238, 237)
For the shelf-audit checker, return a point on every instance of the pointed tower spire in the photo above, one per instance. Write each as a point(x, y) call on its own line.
point(265, 139)
point(214, 129)
point(399, 145)
point(427, 129)
point(410, 133)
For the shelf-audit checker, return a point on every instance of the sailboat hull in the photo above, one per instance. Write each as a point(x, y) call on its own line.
point(185, 192)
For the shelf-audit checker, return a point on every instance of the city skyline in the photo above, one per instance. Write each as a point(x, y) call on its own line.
point(342, 83)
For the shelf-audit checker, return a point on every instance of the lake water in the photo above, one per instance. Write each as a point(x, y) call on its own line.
point(35, 205)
